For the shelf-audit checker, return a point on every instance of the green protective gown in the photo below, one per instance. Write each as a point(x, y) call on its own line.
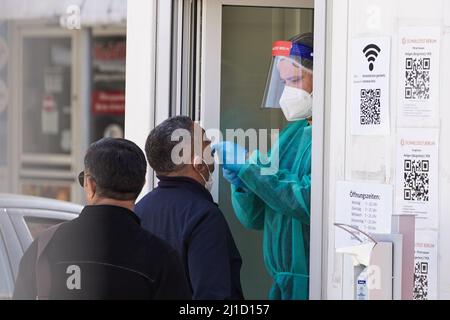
point(279, 203)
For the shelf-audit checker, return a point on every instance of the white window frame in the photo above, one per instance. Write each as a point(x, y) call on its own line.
point(152, 43)
point(141, 75)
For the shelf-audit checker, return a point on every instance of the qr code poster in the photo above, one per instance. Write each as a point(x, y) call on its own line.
point(417, 175)
point(370, 66)
point(418, 76)
point(425, 265)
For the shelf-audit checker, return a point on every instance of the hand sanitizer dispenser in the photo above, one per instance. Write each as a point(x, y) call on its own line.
point(370, 271)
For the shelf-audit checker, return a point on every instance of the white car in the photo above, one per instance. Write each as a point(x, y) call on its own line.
point(22, 218)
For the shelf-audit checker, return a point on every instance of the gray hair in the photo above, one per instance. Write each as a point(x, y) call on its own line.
point(160, 143)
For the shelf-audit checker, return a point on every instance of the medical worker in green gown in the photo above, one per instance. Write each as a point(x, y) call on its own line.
point(279, 203)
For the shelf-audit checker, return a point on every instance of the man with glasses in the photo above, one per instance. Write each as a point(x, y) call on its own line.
point(104, 253)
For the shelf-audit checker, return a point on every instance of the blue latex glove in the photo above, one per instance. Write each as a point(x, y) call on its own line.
point(232, 177)
point(231, 155)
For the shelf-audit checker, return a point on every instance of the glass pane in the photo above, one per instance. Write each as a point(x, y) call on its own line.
point(108, 89)
point(46, 95)
point(6, 280)
point(4, 102)
point(38, 225)
point(247, 37)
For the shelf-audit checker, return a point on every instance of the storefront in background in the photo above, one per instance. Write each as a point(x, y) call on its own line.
point(65, 90)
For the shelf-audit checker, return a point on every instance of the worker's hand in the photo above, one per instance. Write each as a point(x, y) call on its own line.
point(232, 177)
point(231, 155)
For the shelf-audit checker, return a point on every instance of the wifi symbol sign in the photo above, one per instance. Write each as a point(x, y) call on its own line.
point(371, 52)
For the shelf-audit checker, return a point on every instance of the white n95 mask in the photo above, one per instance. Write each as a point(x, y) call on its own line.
point(296, 104)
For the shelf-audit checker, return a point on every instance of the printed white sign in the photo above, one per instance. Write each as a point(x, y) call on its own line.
point(425, 265)
point(365, 206)
point(370, 85)
point(417, 175)
point(49, 115)
point(418, 76)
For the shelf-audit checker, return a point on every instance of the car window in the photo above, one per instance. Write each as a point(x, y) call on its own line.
point(6, 279)
point(38, 225)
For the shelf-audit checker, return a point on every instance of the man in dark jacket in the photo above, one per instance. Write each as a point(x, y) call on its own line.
point(181, 209)
point(104, 253)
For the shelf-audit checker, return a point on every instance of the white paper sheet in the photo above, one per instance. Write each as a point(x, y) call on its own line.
point(418, 72)
point(370, 85)
point(417, 175)
point(425, 265)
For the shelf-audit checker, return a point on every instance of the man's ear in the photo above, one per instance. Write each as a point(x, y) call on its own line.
point(197, 163)
point(90, 187)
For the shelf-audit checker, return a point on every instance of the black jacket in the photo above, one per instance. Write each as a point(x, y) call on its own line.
point(182, 212)
point(114, 256)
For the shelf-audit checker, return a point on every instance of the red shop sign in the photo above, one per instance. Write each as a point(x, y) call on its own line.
point(108, 102)
point(110, 51)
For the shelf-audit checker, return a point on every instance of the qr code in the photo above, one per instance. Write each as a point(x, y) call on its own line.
point(420, 291)
point(416, 180)
point(417, 78)
point(370, 106)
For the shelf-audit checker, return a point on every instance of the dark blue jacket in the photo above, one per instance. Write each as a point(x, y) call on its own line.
point(182, 212)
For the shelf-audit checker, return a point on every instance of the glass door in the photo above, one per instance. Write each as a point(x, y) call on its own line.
point(237, 44)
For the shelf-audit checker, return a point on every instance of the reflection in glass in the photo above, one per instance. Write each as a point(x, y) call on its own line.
point(46, 190)
point(46, 95)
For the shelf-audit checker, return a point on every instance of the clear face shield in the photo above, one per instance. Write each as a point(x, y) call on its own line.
point(291, 67)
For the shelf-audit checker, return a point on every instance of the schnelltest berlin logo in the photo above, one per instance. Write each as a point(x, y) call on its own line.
point(71, 19)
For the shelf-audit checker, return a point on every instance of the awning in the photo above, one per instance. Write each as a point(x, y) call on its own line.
point(93, 12)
